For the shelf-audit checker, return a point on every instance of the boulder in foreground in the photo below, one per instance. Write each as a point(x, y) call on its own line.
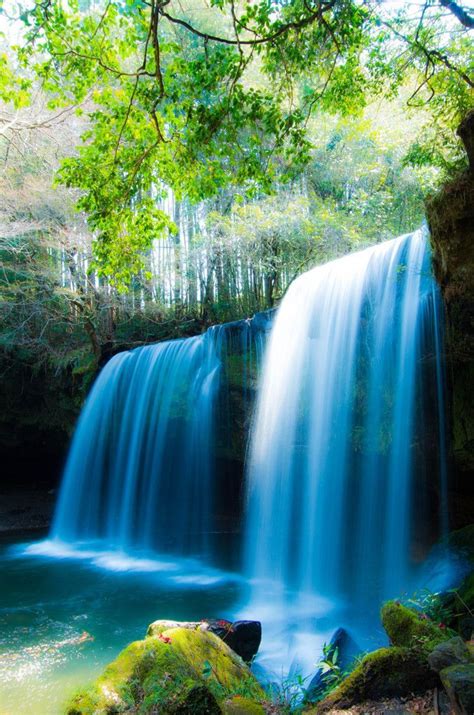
point(179, 670)
point(385, 673)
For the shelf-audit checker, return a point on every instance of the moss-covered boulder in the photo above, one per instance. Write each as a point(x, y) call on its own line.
point(451, 652)
point(242, 706)
point(207, 654)
point(385, 673)
point(458, 681)
point(178, 671)
point(189, 699)
point(122, 683)
point(411, 629)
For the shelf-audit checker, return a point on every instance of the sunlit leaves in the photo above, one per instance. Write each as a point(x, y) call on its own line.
point(169, 104)
point(13, 88)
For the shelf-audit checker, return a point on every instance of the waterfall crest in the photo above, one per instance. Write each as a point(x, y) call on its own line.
point(343, 463)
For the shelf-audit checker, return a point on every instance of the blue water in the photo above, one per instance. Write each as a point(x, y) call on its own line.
point(64, 615)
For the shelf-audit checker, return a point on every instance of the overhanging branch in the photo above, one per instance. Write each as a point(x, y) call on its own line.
point(459, 13)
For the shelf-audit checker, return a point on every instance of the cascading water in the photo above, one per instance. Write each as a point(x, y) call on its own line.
point(142, 437)
point(337, 476)
point(141, 472)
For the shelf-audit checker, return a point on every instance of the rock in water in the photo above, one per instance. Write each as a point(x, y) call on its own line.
point(177, 670)
point(242, 636)
point(347, 651)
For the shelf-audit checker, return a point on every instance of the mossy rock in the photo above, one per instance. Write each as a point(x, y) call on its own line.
point(385, 673)
point(450, 215)
point(173, 672)
point(408, 628)
point(451, 652)
point(458, 681)
point(118, 688)
point(201, 649)
point(190, 699)
point(242, 706)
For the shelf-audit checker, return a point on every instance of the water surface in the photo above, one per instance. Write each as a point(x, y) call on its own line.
point(63, 619)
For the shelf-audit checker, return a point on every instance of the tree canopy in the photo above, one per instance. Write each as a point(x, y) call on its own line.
point(199, 97)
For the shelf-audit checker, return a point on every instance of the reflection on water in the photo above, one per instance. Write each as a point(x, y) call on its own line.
point(63, 619)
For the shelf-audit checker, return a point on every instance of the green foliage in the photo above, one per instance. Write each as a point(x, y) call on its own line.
point(434, 606)
point(333, 673)
point(288, 695)
point(201, 99)
point(453, 608)
point(13, 88)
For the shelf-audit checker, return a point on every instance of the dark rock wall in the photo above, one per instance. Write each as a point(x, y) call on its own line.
point(38, 410)
point(450, 217)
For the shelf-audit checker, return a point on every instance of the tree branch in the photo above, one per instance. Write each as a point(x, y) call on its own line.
point(459, 13)
point(293, 25)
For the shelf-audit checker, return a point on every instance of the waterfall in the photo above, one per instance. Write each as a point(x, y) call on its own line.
point(347, 454)
point(141, 472)
point(346, 484)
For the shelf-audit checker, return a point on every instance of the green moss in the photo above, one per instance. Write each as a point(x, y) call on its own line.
point(178, 671)
point(120, 685)
point(458, 681)
point(186, 698)
point(203, 650)
point(242, 706)
point(385, 673)
point(408, 628)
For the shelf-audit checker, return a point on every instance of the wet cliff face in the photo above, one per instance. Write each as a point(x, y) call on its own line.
point(451, 220)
